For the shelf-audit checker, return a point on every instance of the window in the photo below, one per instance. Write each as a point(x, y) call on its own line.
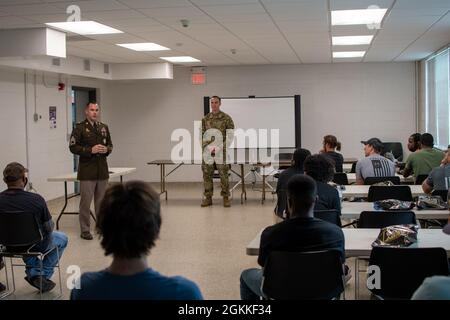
point(437, 108)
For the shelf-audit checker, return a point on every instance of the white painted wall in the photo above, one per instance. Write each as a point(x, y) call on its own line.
point(48, 150)
point(353, 101)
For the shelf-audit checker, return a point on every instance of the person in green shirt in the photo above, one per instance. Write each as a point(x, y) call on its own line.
point(423, 161)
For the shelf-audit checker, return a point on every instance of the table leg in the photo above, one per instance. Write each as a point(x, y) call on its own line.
point(65, 205)
point(244, 192)
point(356, 278)
point(263, 185)
point(164, 179)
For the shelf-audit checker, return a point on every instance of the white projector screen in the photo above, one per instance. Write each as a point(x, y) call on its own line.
point(264, 113)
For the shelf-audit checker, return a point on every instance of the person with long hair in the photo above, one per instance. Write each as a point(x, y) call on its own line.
point(330, 145)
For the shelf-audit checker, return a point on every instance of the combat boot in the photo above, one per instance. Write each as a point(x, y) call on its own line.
point(226, 202)
point(206, 202)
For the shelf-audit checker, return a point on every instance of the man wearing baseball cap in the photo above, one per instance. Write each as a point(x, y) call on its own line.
point(16, 200)
point(374, 164)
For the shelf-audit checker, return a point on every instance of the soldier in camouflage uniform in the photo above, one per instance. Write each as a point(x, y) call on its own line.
point(91, 140)
point(220, 121)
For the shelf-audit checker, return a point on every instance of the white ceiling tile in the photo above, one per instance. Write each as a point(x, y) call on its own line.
point(44, 18)
point(429, 11)
point(421, 4)
point(9, 22)
point(251, 17)
point(93, 5)
point(298, 10)
point(358, 4)
point(383, 53)
point(217, 26)
point(221, 2)
point(236, 10)
point(175, 12)
point(149, 4)
point(113, 15)
point(31, 9)
point(18, 2)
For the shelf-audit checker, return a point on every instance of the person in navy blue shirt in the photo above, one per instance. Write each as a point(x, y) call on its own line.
point(15, 200)
point(298, 158)
point(300, 233)
point(129, 223)
point(321, 169)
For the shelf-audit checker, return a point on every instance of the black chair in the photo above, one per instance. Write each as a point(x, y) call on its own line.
point(284, 157)
point(395, 148)
point(420, 178)
point(372, 180)
point(19, 234)
point(331, 216)
point(402, 193)
point(353, 169)
point(303, 275)
point(442, 193)
point(382, 219)
point(340, 178)
point(402, 270)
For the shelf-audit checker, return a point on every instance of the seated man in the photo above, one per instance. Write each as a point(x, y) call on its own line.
point(15, 198)
point(414, 142)
point(301, 233)
point(296, 168)
point(374, 164)
point(129, 222)
point(321, 169)
point(439, 178)
point(423, 161)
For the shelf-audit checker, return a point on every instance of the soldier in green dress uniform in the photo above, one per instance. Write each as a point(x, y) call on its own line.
point(91, 140)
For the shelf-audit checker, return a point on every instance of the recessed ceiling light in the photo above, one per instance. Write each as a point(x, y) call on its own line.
point(180, 59)
point(84, 27)
point(349, 17)
point(144, 46)
point(351, 40)
point(348, 54)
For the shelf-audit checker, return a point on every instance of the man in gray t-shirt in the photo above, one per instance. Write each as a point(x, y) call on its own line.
point(439, 178)
point(373, 165)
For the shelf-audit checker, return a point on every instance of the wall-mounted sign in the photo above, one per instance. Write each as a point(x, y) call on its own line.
point(52, 117)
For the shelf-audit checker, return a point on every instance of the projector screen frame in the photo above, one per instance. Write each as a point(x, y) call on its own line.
point(297, 112)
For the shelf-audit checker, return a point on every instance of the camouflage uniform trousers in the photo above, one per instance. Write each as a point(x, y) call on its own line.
point(208, 171)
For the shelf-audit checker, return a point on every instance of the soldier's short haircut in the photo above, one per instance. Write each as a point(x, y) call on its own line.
point(129, 219)
point(216, 97)
point(91, 102)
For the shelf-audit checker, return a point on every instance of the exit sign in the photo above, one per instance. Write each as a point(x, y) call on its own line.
point(198, 78)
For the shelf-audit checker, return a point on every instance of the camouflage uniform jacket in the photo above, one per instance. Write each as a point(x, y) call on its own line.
point(220, 121)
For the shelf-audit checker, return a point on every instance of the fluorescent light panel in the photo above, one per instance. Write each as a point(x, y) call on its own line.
point(348, 54)
point(144, 46)
point(351, 40)
point(351, 17)
point(180, 59)
point(84, 27)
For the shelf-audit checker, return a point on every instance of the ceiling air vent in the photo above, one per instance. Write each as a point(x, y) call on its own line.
point(87, 65)
point(56, 62)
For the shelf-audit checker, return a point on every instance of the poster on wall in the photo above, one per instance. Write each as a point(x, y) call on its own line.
point(52, 117)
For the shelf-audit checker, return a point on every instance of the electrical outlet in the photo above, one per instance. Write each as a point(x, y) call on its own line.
point(35, 117)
